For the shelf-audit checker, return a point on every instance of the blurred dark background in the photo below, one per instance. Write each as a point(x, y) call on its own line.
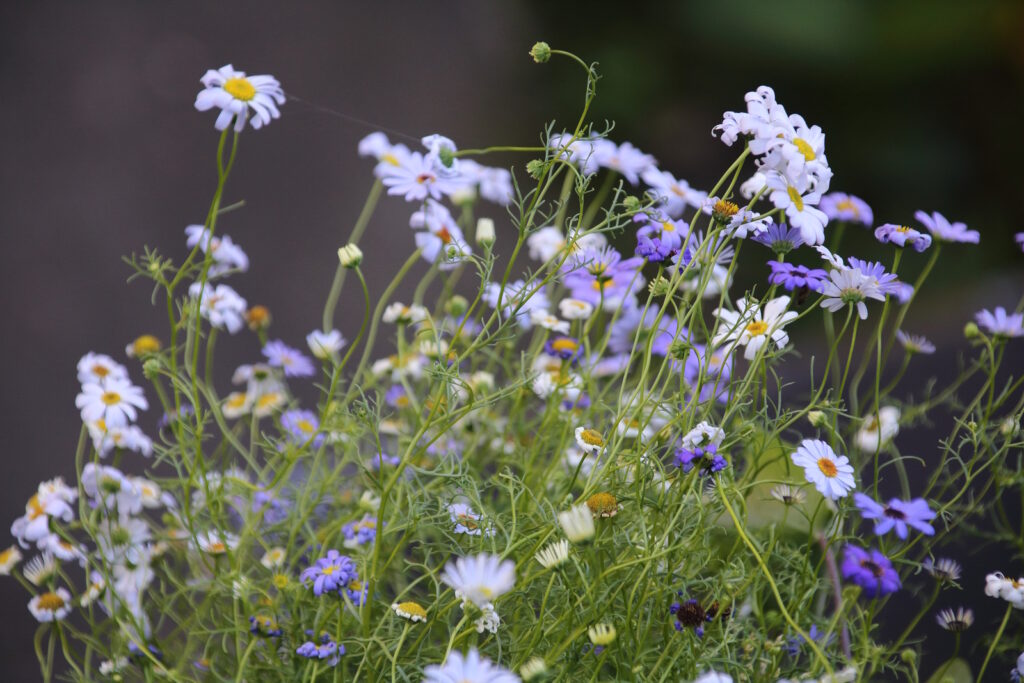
point(102, 153)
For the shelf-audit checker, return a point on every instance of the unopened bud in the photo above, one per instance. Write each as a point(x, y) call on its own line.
point(350, 256)
point(151, 368)
point(817, 418)
point(541, 52)
point(631, 203)
point(258, 318)
point(659, 286)
point(535, 167)
point(485, 232)
point(908, 656)
point(680, 350)
point(971, 330)
point(456, 306)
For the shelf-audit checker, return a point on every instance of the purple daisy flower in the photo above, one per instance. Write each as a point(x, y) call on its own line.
point(790, 276)
point(396, 396)
point(637, 324)
point(666, 232)
point(301, 426)
point(330, 572)
point(1020, 240)
point(601, 274)
point(274, 508)
point(902, 236)
point(566, 348)
point(356, 591)
point(871, 570)
point(652, 249)
point(329, 651)
point(914, 343)
point(263, 625)
point(794, 644)
point(847, 208)
point(360, 532)
point(887, 282)
point(944, 231)
point(714, 380)
point(898, 515)
point(780, 238)
point(705, 458)
point(1000, 323)
point(292, 361)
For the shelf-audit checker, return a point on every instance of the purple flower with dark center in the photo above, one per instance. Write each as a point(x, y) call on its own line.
point(301, 426)
point(790, 276)
point(690, 614)
point(292, 361)
point(566, 348)
point(902, 236)
point(898, 515)
point(1000, 323)
point(944, 231)
point(887, 282)
point(652, 249)
point(871, 570)
point(704, 458)
point(846, 207)
point(330, 572)
point(780, 238)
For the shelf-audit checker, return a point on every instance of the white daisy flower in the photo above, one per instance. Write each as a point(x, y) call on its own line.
point(624, 158)
point(238, 96)
point(832, 475)
point(97, 586)
point(412, 611)
point(221, 305)
point(226, 255)
point(673, 194)
point(108, 488)
point(150, 493)
point(489, 620)
point(575, 309)
point(589, 440)
point(236, 404)
point(50, 606)
point(1011, 590)
point(542, 318)
point(480, 578)
point(471, 668)
point(50, 500)
point(704, 434)
point(878, 430)
point(9, 558)
point(554, 554)
point(273, 558)
point(215, 542)
point(114, 401)
point(93, 368)
point(61, 549)
point(713, 677)
point(125, 437)
point(122, 539)
point(850, 287)
point(405, 315)
point(40, 569)
point(799, 201)
point(532, 668)
point(577, 523)
point(324, 345)
point(108, 667)
point(751, 328)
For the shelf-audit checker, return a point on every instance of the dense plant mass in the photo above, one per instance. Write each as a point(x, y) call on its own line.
point(576, 453)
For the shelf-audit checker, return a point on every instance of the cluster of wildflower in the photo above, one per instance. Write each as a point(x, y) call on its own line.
point(593, 444)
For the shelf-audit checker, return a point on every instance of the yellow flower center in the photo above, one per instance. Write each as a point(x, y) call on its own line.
point(111, 398)
point(390, 158)
point(603, 504)
point(827, 467)
point(757, 328)
point(903, 228)
point(33, 508)
point(50, 602)
point(100, 370)
point(485, 591)
point(565, 344)
point(6, 555)
point(240, 88)
point(847, 205)
point(795, 197)
point(147, 343)
point(328, 570)
point(236, 400)
point(216, 548)
point(668, 226)
point(280, 580)
point(412, 609)
point(805, 149)
point(306, 426)
point(725, 209)
point(592, 437)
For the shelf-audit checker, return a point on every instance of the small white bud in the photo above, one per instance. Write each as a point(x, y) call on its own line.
point(485, 232)
point(350, 256)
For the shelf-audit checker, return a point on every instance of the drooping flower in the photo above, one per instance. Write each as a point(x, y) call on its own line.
point(878, 429)
point(831, 474)
point(871, 570)
point(943, 569)
point(324, 345)
point(850, 287)
point(914, 343)
point(9, 558)
point(751, 328)
point(577, 523)
point(602, 634)
point(481, 578)
point(897, 514)
point(780, 238)
point(468, 668)
point(957, 620)
point(554, 554)
point(902, 236)
point(944, 231)
point(221, 305)
point(240, 97)
point(788, 495)
point(225, 254)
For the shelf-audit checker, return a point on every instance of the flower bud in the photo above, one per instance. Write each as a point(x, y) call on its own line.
point(680, 350)
point(485, 232)
point(971, 330)
point(1009, 427)
point(631, 203)
point(659, 286)
point(817, 418)
point(350, 256)
point(369, 502)
point(151, 368)
point(258, 318)
point(541, 52)
point(535, 167)
point(908, 656)
point(456, 306)
point(144, 345)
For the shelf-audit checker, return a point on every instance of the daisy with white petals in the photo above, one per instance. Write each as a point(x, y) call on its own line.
point(480, 579)
point(240, 97)
point(753, 328)
point(831, 474)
